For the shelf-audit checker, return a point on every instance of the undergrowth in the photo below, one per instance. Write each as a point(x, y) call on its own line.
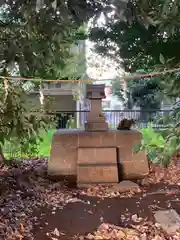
point(161, 145)
point(13, 149)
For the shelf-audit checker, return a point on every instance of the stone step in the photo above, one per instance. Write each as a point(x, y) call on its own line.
point(97, 165)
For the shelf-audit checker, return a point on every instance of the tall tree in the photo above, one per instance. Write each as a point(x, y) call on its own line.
point(136, 46)
point(37, 43)
point(149, 41)
point(146, 93)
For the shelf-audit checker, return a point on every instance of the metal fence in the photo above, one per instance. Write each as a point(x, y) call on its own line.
point(77, 119)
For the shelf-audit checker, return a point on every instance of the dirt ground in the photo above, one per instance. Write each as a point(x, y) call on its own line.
point(35, 207)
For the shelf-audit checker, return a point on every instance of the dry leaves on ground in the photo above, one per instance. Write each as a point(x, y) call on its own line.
point(24, 186)
point(145, 231)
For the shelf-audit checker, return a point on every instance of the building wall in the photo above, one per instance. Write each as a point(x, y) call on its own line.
point(53, 103)
point(62, 103)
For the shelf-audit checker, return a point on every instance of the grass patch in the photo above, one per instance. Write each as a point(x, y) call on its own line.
point(12, 149)
point(45, 145)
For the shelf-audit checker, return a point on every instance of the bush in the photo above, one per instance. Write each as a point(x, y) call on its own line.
point(18, 125)
point(159, 145)
point(152, 143)
point(13, 149)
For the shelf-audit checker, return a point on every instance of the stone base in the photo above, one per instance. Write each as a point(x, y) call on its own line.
point(97, 174)
point(96, 126)
point(72, 148)
point(92, 118)
point(97, 165)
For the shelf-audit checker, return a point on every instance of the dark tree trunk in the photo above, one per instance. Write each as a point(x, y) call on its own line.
point(2, 158)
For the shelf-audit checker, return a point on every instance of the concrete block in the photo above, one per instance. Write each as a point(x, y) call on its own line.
point(97, 174)
point(97, 156)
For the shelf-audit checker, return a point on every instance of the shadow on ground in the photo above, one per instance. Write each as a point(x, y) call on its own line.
point(30, 199)
point(80, 218)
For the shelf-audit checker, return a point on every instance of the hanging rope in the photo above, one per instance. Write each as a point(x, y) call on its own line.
point(152, 74)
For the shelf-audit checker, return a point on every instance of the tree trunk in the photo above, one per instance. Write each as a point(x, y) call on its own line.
point(2, 158)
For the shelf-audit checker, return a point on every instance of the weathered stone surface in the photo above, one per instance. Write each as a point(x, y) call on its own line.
point(108, 139)
point(169, 220)
point(96, 126)
point(126, 186)
point(97, 174)
point(66, 155)
point(95, 91)
point(125, 138)
point(97, 165)
point(144, 182)
point(135, 169)
point(64, 152)
point(97, 156)
point(89, 139)
point(95, 119)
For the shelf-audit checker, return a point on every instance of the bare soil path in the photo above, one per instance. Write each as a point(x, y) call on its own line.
point(34, 207)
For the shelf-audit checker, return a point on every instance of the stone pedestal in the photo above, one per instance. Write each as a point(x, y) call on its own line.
point(97, 155)
point(88, 155)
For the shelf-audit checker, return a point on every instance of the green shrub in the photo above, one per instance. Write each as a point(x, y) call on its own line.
point(152, 143)
point(159, 145)
point(13, 149)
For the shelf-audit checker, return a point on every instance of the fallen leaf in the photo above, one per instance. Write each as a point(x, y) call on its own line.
point(21, 228)
point(56, 232)
point(98, 237)
point(121, 234)
point(17, 235)
point(90, 236)
point(132, 232)
point(136, 219)
point(103, 226)
point(157, 238)
point(90, 212)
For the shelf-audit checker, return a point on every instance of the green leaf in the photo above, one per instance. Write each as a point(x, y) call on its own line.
point(161, 58)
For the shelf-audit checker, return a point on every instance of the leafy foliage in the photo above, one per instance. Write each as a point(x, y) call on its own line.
point(148, 40)
point(153, 143)
point(16, 121)
point(14, 150)
point(136, 47)
point(146, 92)
point(160, 146)
point(35, 43)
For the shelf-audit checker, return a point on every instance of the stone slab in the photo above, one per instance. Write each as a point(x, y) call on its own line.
point(89, 139)
point(95, 89)
point(126, 186)
point(169, 220)
point(135, 169)
point(96, 126)
point(97, 174)
point(97, 155)
point(108, 139)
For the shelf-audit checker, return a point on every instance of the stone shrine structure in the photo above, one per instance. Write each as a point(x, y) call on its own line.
point(96, 154)
point(95, 119)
